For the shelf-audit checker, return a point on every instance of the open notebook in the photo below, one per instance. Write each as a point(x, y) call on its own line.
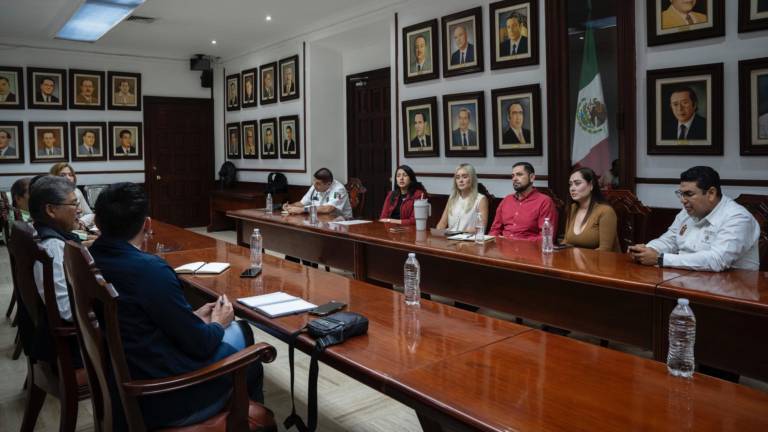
point(277, 304)
point(470, 237)
point(201, 267)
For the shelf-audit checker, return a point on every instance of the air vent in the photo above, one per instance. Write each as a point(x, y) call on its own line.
point(141, 19)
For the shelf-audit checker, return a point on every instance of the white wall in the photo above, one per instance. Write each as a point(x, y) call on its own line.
point(326, 103)
point(160, 77)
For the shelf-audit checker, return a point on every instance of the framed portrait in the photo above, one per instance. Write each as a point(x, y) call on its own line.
point(268, 138)
point(88, 141)
point(250, 136)
point(125, 141)
point(753, 15)
point(421, 52)
point(268, 92)
point(685, 110)
point(11, 142)
point(48, 142)
point(11, 87)
point(672, 21)
point(421, 137)
point(464, 124)
point(517, 121)
point(86, 89)
point(124, 90)
point(46, 88)
point(753, 106)
point(249, 99)
point(290, 141)
point(514, 33)
point(233, 140)
point(289, 78)
point(232, 92)
point(463, 42)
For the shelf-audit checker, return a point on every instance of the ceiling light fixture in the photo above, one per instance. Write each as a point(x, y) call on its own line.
point(268, 18)
point(94, 18)
point(213, 42)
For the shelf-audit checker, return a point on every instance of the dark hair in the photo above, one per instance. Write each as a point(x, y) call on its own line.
point(413, 187)
point(48, 78)
point(120, 210)
point(46, 190)
point(4, 79)
point(123, 132)
point(324, 175)
point(691, 94)
point(528, 167)
point(8, 134)
point(588, 174)
point(20, 188)
point(704, 176)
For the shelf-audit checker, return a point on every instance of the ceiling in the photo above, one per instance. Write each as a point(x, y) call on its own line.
point(184, 27)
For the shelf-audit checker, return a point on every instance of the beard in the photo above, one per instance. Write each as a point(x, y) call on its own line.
point(520, 187)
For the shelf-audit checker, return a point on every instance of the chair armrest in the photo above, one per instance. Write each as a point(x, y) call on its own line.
point(263, 351)
point(65, 331)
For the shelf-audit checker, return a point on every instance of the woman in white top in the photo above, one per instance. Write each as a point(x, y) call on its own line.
point(464, 202)
point(63, 169)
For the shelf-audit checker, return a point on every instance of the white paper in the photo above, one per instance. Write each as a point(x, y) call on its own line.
point(469, 237)
point(286, 308)
point(213, 268)
point(189, 267)
point(351, 222)
point(265, 299)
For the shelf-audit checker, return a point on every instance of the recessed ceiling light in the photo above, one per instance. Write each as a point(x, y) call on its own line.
point(213, 42)
point(269, 18)
point(94, 18)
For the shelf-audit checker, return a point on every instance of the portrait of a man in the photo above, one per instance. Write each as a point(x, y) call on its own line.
point(268, 148)
point(250, 145)
point(249, 88)
point(516, 121)
point(289, 87)
point(88, 142)
point(462, 39)
point(124, 89)
point(516, 133)
point(10, 94)
point(514, 37)
point(10, 139)
point(47, 93)
point(47, 88)
point(421, 62)
point(268, 85)
point(268, 88)
point(422, 141)
point(48, 142)
point(127, 146)
point(122, 94)
point(463, 120)
point(464, 51)
point(289, 78)
point(753, 107)
point(233, 140)
point(420, 127)
point(673, 21)
point(463, 136)
point(685, 123)
point(233, 92)
point(7, 147)
point(290, 142)
point(419, 48)
point(515, 43)
point(679, 13)
point(125, 141)
point(761, 81)
point(87, 90)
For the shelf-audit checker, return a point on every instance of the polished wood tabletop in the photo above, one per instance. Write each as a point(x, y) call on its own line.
point(170, 238)
point(739, 289)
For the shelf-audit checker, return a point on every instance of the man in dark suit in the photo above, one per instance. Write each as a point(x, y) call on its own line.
point(269, 143)
point(516, 133)
point(47, 87)
point(465, 52)
point(162, 335)
point(6, 149)
point(422, 141)
point(289, 87)
point(289, 145)
point(126, 144)
point(515, 43)
point(6, 95)
point(463, 136)
point(267, 88)
point(88, 145)
point(685, 123)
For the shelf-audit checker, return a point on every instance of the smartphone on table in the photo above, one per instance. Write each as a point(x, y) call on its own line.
point(328, 308)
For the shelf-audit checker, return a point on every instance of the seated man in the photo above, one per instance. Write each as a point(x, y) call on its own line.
point(328, 194)
point(162, 335)
point(712, 232)
point(521, 215)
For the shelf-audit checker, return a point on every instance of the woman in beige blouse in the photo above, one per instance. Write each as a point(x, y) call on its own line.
point(591, 221)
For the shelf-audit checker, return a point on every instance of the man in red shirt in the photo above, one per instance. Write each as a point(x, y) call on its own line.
point(520, 215)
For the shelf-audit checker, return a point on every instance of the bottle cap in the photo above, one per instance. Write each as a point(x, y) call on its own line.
point(411, 255)
point(256, 231)
point(682, 301)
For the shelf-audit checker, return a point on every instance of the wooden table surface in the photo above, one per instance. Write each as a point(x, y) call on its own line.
point(173, 238)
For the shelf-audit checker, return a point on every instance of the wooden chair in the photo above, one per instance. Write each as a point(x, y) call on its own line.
point(103, 354)
point(758, 206)
point(5, 212)
point(561, 210)
point(493, 204)
point(631, 216)
point(356, 192)
point(46, 337)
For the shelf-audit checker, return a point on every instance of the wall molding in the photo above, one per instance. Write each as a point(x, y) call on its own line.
point(485, 176)
point(724, 182)
point(79, 172)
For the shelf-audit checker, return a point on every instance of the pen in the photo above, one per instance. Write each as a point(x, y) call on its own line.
point(221, 301)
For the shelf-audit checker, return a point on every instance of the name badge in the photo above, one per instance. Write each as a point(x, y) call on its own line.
point(683, 229)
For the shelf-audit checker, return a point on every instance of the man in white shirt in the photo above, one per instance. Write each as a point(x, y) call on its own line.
point(328, 194)
point(711, 233)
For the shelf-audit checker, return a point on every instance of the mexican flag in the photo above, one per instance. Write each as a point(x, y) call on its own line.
point(590, 132)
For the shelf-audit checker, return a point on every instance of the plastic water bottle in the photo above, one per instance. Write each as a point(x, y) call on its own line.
point(682, 337)
point(479, 228)
point(412, 277)
point(313, 213)
point(269, 204)
point(547, 246)
point(256, 249)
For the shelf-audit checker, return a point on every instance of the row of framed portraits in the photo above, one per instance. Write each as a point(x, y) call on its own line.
point(59, 89)
point(516, 124)
point(266, 139)
point(514, 41)
point(73, 141)
point(672, 21)
point(263, 84)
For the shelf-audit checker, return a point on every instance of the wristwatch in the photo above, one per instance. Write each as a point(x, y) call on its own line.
point(660, 260)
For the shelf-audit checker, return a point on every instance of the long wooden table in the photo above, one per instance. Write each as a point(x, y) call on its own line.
point(600, 293)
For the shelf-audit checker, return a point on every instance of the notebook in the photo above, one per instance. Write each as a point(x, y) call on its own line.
point(470, 237)
point(277, 304)
point(201, 267)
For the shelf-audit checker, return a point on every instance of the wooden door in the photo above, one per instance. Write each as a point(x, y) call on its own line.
point(369, 138)
point(179, 159)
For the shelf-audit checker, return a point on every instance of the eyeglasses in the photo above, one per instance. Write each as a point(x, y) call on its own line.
point(684, 195)
point(74, 204)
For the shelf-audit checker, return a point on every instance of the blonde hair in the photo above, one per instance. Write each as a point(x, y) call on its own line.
point(57, 168)
point(455, 194)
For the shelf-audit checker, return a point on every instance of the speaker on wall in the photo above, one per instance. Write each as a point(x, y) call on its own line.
point(206, 78)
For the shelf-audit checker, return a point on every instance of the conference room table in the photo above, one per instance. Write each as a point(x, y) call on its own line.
point(464, 371)
point(603, 294)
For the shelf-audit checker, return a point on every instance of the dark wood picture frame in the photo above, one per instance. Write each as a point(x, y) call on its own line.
point(285, 152)
point(15, 87)
point(252, 125)
point(750, 18)
point(125, 101)
point(34, 79)
point(232, 89)
point(115, 129)
point(17, 139)
point(237, 151)
point(294, 92)
point(410, 109)
point(753, 114)
point(657, 11)
point(63, 145)
point(501, 57)
point(453, 104)
point(253, 100)
point(264, 125)
point(505, 141)
point(477, 64)
point(267, 91)
point(78, 77)
point(431, 70)
point(662, 125)
point(76, 131)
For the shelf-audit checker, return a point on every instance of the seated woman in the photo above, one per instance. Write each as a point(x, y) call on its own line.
point(63, 169)
point(398, 206)
point(20, 198)
point(460, 213)
point(591, 222)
